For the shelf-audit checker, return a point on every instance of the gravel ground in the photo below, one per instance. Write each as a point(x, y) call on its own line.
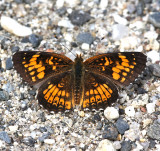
point(87, 27)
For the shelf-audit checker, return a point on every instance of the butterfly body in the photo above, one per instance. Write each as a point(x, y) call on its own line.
point(65, 84)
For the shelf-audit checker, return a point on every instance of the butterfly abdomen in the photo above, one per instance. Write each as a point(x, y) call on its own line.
point(78, 76)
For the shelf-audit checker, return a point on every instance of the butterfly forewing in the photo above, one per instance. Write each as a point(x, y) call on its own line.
point(99, 91)
point(121, 68)
point(35, 66)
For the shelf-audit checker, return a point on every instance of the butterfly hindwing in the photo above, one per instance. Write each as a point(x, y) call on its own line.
point(121, 68)
point(56, 93)
point(99, 91)
point(35, 66)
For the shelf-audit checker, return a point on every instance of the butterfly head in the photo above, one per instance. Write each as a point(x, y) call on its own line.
point(78, 58)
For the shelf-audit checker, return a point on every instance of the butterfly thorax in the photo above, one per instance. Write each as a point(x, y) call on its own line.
point(78, 71)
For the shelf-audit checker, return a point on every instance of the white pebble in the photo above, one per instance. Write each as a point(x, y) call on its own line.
point(72, 3)
point(111, 113)
point(117, 145)
point(59, 3)
point(119, 31)
point(146, 122)
point(120, 20)
point(103, 4)
point(85, 46)
point(105, 145)
point(14, 27)
point(49, 141)
point(130, 111)
point(68, 37)
point(155, 45)
point(153, 55)
point(151, 35)
point(129, 42)
point(81, 113)
point(65, 23)
point(13, 128)
point(158, 89)
point(138, 25)
point(150, 107)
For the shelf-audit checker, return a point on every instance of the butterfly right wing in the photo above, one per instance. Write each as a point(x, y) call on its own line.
point(98, 91)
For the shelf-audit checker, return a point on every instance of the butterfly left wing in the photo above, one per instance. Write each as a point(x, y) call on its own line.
point(122, 68)
point(36, 67)
point(98, 91)
point(56, 93)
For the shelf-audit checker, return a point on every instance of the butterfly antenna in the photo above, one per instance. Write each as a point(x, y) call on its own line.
point(67, 49)
point(55, 36)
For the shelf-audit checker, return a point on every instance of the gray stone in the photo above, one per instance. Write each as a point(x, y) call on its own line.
point(4, 136)
point(154, 131)
point(154, 18)
point(85, 38)
point(122, 126)
point(9, 64)
point(4, 96)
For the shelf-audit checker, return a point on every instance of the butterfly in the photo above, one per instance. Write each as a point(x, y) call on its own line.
point(64, 84)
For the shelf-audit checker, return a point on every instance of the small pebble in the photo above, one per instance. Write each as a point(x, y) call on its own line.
point(154, 18)
point(117, 145)
point(99, 126)
point(146, 122)
point(43, 137)
point(72, 3)
point(85, 46)
point(79, 17)
point(14, 27)
point(81, 113)
point(129, 42)
point(154, 131)
point(29, 141)
point(140, 8)
point(59, 3)
point(126, 146)
point(15, 49)
point(151, 35)
point(155, 69)
point(7, 87)
point(5, 42)
point(65, 23)
point(122, 126)
point(150, 107)
point(119, 31)
point(120, 20)
point(9, 64)
point(4, 96)
point(85, 38)
point(49, 141)
point(4, 136)
point(130, 111)
point(110, 132)
point(35, 40)
point(131, 8)
point(111, 113)
point(13, 128)
point(103, 4)
point(23, 105)
point(105, 145)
